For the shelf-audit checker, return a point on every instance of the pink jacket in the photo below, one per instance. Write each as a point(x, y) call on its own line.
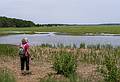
point(26, 47)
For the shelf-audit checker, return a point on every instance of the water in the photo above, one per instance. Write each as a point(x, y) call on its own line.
point(51, 38)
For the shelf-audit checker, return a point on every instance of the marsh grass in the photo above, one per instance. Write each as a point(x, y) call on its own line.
point(6, 76)
point(72, 30)
point(82, 45)
point(110, 69)
point(94, 54)
point(8, 50)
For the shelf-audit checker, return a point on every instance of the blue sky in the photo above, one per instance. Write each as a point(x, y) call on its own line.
point(63, 11)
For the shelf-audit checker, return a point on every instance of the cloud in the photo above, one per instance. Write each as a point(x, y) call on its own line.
point(62, 11)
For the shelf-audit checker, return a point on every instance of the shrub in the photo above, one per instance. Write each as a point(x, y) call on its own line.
point(109, 69)
point(6, 76)
point(65, 64)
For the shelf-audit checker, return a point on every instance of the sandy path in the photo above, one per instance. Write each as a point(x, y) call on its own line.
point(38, 70)
point(42, 70)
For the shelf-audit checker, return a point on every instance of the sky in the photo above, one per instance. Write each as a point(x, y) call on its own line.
point(63, 11)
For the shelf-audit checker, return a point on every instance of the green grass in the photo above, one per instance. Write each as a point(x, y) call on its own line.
point(74, 30)
point(6, 76)
point(8, 50)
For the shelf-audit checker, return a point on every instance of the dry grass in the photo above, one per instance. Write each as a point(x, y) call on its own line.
point(42, 63)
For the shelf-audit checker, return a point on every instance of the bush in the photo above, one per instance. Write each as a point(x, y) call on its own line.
point(65, 64)
point(109, 69)
point(6, 76)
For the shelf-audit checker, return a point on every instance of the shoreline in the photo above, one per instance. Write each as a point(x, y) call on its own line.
point(57, 33)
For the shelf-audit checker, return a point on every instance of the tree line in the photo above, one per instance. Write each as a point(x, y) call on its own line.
point(50, 25)
point(13, 22)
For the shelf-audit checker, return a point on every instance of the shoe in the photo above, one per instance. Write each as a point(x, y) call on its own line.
point(28, 72)
point(23, 72)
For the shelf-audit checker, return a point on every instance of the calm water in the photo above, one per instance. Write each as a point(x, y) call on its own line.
point(51, 38)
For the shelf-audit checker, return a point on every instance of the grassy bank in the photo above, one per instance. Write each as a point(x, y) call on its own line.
point(8, 50)
point(74, 30)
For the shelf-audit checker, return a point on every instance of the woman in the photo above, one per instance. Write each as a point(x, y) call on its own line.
point(24, 57)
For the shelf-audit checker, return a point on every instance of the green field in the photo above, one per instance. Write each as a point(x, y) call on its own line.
point(74, 30)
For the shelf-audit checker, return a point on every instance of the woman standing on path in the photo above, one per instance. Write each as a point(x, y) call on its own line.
point(24, 56)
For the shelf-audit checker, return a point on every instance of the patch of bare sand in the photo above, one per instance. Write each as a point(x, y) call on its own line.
point(89, 71)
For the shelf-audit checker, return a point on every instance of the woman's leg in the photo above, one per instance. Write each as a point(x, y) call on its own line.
point(27, 63)
point(22, 60)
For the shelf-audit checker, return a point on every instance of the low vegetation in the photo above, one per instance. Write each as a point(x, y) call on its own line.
point(6, 76)
point(72, 78)
point(65, 63)
point(110, 69)
point(8, 50)
point(66, 60)
point(70, 30)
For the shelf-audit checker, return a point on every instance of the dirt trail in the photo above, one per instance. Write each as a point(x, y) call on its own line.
point(42, 70)
point(38, 70)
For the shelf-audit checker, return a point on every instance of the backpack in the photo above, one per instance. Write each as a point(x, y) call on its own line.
point(21, 51)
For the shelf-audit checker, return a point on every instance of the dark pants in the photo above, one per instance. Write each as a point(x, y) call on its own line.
point(24, 61)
